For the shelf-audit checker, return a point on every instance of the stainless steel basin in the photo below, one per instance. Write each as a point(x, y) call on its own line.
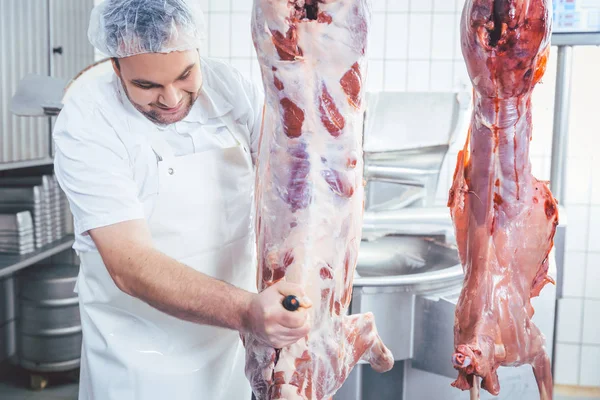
point(408, 263)
point(410, 283)
point(404, 276)
point(393, 273)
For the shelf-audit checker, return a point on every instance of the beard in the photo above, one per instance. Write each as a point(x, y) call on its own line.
point(159, 118)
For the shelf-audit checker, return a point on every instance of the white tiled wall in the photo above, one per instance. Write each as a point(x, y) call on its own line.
point(414, 46)
point(409, 38)
point(582, 270)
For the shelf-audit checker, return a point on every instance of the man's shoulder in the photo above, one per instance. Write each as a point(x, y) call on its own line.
point(88, 106)
point(94, 86)
point(222, 74)
point(92, 95)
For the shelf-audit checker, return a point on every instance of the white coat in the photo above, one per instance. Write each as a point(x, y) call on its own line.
point(199, 211)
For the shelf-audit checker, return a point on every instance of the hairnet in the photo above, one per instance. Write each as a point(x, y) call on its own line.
point(123, 28)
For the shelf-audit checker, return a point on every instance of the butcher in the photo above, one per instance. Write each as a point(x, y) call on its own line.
point(156, 158)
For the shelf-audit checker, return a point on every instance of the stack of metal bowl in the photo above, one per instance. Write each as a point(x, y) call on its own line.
point(31, 198)
point(42, 196)
point(16, 233)
point(57, 205)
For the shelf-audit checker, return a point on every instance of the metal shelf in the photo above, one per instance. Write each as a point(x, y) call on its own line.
point(576, 39)
point(10, 263)
point(26, 164)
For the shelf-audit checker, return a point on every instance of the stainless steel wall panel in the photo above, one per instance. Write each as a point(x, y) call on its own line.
point(5, 144)
point(20, 56)
point(69, 24)
point(69, 21)
point(24, 50)
point(42, 50)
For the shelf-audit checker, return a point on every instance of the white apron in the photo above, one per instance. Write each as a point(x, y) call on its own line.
point(202, 218)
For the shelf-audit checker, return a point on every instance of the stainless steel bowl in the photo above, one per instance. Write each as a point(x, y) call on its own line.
point(410, 263)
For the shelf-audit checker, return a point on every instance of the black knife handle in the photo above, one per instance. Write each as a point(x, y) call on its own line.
point(291, 303)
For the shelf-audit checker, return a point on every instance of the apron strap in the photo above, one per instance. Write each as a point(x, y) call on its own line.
point(236, 131)
point(161, 148)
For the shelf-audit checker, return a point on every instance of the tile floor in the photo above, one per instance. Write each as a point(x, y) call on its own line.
point(574, 398)
point(14, 385)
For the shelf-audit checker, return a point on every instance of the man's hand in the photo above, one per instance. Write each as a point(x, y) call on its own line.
point(271, 323)
point(141, 271)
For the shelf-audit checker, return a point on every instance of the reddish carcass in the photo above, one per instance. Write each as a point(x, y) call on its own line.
point(310, 190)
point(505, 219)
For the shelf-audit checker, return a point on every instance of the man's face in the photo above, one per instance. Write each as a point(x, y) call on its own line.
point(163, 87)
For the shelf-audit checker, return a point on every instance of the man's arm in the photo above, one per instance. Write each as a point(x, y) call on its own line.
point(89, 149)
point(141, 271)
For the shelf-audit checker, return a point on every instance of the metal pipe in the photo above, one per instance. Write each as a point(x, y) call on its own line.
point(50, 70)
point(561, 123)
point(425, 281)
point(359, 382)
point(560, 140)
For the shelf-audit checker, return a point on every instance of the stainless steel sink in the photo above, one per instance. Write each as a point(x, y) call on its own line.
point(393, 273)
point(402, 255)
point(408, 263)
point(410, 283)
point(411, 249)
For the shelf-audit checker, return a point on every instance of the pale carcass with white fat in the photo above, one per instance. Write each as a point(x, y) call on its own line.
point(310, 190)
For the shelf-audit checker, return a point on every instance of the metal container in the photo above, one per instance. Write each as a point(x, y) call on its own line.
point(7, 318)
point(404, 147)
point(401, 278)
point(49, 325)
point(393, 272)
